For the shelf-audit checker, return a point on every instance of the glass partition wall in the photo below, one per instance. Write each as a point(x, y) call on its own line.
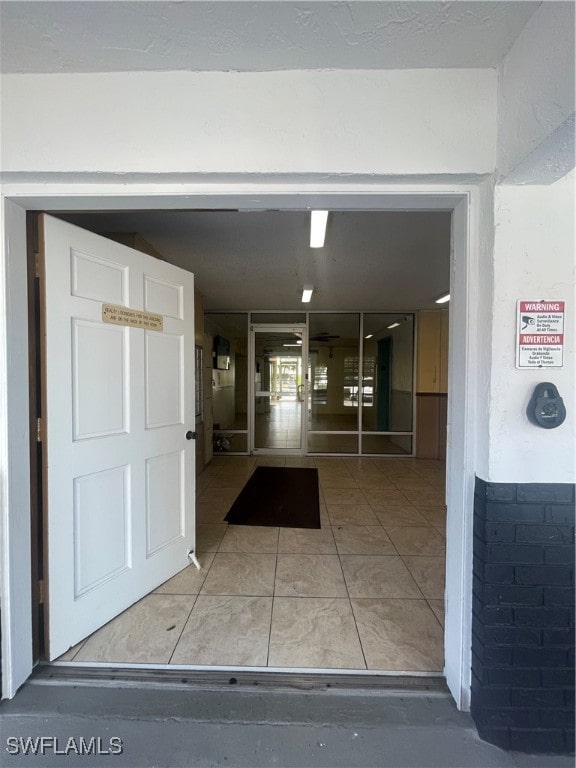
point(346, 413)
point(227, 396)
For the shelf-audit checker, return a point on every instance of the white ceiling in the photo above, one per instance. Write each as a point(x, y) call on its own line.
point(86, 36)
point(261, 260)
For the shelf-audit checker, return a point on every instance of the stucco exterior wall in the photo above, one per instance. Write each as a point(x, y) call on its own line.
point(533, 259)
point(368, 122)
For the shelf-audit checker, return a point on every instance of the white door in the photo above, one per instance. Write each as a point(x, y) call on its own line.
point(118, 410)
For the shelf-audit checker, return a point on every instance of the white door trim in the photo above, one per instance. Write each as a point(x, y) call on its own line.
point(287, 194)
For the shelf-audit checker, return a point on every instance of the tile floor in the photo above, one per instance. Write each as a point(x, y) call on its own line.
point(363, 592)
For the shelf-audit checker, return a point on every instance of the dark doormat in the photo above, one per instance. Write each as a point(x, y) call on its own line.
point(283, 496)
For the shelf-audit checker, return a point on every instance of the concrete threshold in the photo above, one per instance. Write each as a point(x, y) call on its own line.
point(240, 724)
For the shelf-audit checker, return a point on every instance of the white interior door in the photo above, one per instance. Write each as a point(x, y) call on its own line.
point(118, 410)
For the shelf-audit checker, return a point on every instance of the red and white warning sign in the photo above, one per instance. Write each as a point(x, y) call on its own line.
point(540, 332)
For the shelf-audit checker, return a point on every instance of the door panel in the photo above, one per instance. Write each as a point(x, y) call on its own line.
point(119, 473)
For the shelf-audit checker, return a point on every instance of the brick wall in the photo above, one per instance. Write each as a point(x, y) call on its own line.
point(523, 616)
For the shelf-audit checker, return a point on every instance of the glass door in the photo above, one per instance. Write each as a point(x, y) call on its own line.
point(278, 388)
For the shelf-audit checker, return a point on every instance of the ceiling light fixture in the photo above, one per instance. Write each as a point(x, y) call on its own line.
point(307, 294)
point(369, 336)
point(393, 325)
point(318, 222)
point(291, 345)
point(443, 299)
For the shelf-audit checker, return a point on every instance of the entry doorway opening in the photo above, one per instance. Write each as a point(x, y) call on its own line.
point(350, 397)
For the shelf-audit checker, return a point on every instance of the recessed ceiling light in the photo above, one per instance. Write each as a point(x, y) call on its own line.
point(307, 294)
point(318, 221)
point(393, 325)
point(369, 336)
point(442, 299)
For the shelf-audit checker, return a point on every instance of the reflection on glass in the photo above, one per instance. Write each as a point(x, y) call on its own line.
point(332, 443)
point(388, 373)
point(230, 387)
point(333, 372)
point(387, 444)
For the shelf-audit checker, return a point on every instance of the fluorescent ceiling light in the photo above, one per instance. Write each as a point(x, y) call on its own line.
point(291, 345)
point(318, 221)
point(443, 299)
point(394, 325)
point(369, 336)
point(298, 343)
point(307, 295)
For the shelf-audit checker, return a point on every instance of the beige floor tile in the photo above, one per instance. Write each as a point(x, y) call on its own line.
point(404, 483)
point(144, 634)
point(392, 517)
point(416, 540)
point(399, 635)
point(438, 608)
point(189, 581)
point(362, 540)
point(324, 517)
point(309, 576)
point(209, 513)
point(234, 573)
point(336, 481)
point(351, 514)
point(271, 461)
point(297, 541)
point(209, 536)
point(429, 574)
point(434, 515)
point(334, 463)
point(385, 498)
point(226, 630)
point(231, 463)
point(314, 632)
point(373, 479)
point(229, 482)
point(217, 495)
point(343, 496)
point(300, 461)
point(431, 498)
point(250, 538)
point(71, 652)
point(359, 464)
point(378, 576)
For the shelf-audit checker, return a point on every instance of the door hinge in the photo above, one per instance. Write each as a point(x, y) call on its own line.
point(41, 594)
point(39, 430)
point(36, 264)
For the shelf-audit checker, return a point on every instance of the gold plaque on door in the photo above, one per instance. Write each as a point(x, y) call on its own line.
point(111, 313)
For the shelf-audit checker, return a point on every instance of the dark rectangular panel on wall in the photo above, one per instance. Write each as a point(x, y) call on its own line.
point(523, 615)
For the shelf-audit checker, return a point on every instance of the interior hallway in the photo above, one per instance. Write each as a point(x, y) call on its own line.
point(363, 592)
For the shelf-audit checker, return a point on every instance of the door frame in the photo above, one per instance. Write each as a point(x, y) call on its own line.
point(469, 203)
point(276, 328)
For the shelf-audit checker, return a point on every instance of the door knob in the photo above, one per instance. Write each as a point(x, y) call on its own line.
point(191, 435)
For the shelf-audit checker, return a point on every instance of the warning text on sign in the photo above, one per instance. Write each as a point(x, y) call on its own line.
point(540, 334)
